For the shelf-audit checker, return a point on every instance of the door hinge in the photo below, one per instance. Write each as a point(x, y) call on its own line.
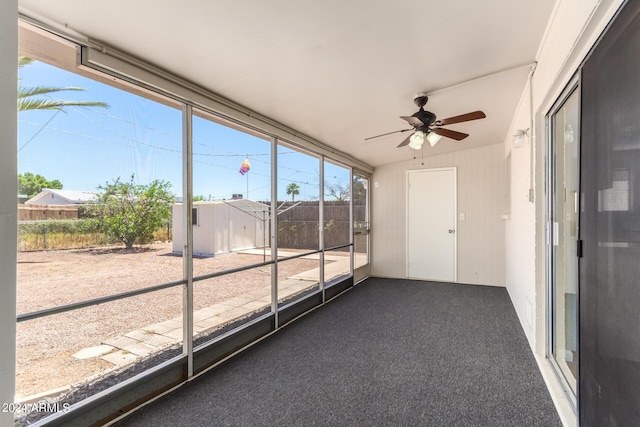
point(579, 249)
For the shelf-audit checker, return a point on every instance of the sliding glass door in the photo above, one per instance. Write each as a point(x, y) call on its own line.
point(562, 245)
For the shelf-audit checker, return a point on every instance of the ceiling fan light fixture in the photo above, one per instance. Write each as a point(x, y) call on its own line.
point(416, 140)
point(433, 138)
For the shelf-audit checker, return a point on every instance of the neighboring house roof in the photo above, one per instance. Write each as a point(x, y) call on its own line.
point(75, 197)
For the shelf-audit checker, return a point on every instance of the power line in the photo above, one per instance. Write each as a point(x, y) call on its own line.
point(253, 155)
point(39, 130)
point(102, 113)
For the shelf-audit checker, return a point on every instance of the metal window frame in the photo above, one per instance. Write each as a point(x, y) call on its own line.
point(187, 224)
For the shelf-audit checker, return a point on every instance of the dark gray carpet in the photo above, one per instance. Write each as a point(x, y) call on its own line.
point(387, 353)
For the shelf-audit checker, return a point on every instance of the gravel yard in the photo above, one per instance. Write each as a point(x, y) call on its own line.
point(51, 278)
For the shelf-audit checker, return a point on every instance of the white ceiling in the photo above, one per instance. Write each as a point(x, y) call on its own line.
point(336, 70)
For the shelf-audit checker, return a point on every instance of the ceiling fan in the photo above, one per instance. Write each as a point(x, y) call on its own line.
point(425, 125)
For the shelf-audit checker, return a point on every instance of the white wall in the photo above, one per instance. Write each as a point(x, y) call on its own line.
point(481, 180)
point(573, 28)
point(8, 201)
point(520, 236)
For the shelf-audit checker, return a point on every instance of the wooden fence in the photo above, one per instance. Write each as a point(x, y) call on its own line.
point(298, 227)
point(41, 213)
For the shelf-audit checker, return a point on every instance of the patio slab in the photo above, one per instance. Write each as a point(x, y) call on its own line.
point(91, 352)
point(238, 301)
point(167, 325)
point(233, 313)
point(139, 334)
point(120, 342)
point(210, 323)
point(254, 305)
point(211, 311)
point(174, 334)
point(141, 349)
point(159, 341)
point(120, 357)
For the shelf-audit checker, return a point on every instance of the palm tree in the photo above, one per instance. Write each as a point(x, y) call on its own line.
point(293, 189)
point(26, 102)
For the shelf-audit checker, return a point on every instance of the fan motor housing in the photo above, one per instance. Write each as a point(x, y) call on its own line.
point(420, 99)
point(426, 117)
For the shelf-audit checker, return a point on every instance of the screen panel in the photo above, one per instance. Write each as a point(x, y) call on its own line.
point(609, 375)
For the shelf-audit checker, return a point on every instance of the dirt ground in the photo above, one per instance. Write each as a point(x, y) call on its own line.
point(53, 278)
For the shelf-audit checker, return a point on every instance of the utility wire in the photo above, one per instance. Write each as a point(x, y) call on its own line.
point(137, 141)
point(39, 130)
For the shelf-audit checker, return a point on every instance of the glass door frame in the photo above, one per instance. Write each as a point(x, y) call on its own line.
point(572, 88)
point(364, 271)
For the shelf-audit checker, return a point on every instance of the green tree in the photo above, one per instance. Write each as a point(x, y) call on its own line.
point(32, 185)
point(30, 98)
point(131, 212)
point(358, 189)
point(293, 190)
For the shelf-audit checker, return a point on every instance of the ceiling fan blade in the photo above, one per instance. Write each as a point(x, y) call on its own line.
point(388, 133)
point(475, 115)
point(413, 121)
point(405, 142)
point(458, 136)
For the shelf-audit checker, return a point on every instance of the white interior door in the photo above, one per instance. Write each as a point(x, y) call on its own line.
point(431, 224)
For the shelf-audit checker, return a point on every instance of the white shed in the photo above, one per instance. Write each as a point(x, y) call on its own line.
point(223, 226)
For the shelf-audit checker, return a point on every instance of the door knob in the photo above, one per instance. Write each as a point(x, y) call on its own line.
point(451, 231)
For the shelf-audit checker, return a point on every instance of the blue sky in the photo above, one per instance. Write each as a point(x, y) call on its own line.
point(87, 147)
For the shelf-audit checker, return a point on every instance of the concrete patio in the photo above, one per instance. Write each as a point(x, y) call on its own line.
point(141, 342)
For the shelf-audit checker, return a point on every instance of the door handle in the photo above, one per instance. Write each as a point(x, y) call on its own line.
point(451, 231)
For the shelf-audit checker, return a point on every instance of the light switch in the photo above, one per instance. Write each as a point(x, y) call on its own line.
point(461, 217)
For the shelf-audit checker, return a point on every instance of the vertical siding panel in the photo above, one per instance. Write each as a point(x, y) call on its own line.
point(431, 162)
point(484, 211)
point(503, 210)
point(488, 192)
point(455, 161)
point(462, 229)
point(480, 237)
point(400, 205)
point(467, 180)
point(495, 215)
point(465, 261)
point(472, 157)
point(498, 174)
point(482, 216)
